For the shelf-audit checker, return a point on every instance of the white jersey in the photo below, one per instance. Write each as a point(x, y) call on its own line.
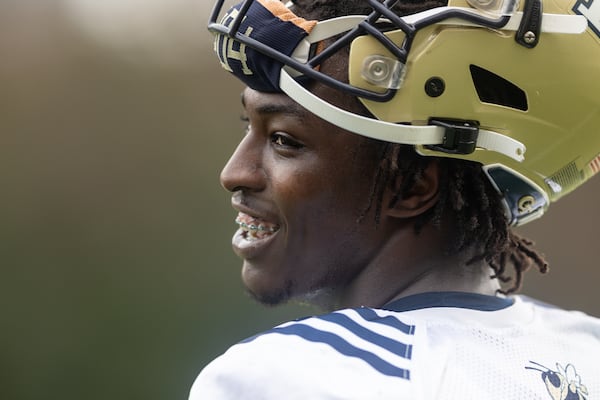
point(429, 346)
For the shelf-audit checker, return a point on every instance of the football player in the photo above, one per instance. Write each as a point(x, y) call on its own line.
point(391, 148)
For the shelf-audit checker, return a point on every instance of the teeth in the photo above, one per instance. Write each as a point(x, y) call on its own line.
point(254, 230)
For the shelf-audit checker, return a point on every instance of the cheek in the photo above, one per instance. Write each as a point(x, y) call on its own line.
point(302, 192)
point(299, 180)
point(328, 196)
point(334, 183)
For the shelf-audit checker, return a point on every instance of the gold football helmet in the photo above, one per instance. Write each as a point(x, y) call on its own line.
point(515, 87)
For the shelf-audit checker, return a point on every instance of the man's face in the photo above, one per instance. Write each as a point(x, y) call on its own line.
point(300, 185)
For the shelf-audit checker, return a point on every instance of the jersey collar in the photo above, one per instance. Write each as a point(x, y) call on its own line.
point(472, 301)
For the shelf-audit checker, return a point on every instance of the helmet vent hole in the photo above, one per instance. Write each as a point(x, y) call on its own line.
point(494, 89)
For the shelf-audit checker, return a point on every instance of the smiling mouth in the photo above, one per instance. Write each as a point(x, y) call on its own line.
point(254, 228)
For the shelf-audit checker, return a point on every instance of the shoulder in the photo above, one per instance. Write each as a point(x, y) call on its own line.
point(350, 354)
point(561, 319)
point(408, 353)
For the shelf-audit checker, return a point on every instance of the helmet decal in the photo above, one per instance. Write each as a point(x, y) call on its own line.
point(590, 9)
point(594, 165)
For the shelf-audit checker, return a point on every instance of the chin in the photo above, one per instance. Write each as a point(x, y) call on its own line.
point(270, 290)
point(272, 296)
point(324, 299)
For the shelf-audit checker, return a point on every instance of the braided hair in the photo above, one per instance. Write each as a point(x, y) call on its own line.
point(465, 192)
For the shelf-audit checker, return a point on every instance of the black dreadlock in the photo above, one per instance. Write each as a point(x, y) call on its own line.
point(465, 192)
point(468, 197)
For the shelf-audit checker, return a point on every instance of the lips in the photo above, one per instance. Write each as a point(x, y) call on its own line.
point(253, 236)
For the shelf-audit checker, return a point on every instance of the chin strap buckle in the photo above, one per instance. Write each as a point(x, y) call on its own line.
point(460, 136)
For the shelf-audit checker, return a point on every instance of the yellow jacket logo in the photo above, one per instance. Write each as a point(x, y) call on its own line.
point(563, 383)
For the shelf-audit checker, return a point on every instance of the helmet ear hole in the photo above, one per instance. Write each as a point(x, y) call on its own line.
point(494, 89)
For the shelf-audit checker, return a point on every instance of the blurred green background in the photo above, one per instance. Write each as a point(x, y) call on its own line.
point(117, 277)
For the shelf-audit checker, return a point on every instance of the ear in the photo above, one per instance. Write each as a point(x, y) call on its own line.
point(422, 196)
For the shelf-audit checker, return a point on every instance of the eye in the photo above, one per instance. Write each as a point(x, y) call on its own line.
point(284, 141)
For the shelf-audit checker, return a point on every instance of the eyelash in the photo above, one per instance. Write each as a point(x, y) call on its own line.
point(279, 139)
point(284, 141)
point(246, 122)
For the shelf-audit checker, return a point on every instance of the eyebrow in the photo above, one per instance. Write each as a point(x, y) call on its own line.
point(293, 109)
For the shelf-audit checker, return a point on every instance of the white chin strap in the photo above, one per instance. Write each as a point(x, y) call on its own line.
point(390, 132)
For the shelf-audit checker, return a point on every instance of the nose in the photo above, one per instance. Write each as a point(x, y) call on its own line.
point(244, 169)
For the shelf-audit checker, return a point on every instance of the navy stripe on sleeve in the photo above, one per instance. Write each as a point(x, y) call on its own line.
point(343, 347)
point(401, 349)
point(370, 315)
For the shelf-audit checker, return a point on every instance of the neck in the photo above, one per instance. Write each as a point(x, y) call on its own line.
point(411, 263)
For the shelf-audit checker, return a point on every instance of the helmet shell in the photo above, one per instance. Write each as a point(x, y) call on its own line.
point(557, 117)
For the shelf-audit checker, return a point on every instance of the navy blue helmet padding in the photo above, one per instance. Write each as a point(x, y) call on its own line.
point(266, 25)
